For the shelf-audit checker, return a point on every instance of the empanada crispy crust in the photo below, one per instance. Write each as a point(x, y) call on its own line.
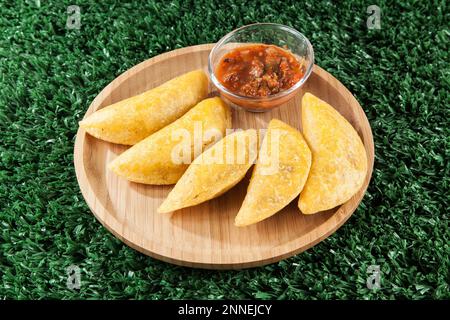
point(279, 175)
point(214, 172)
point(151, 161)
point(339, 159)
point(131, 120)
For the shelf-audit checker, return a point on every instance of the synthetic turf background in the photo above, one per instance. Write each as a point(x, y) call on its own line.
point(50, 74)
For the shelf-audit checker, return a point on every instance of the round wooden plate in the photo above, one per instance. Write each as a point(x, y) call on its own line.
point(204, 236)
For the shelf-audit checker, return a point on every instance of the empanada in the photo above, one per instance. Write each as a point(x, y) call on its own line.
point(163, 157)
point(339, 159)
point(131, 120)
point(278, 176)
point(214, 172)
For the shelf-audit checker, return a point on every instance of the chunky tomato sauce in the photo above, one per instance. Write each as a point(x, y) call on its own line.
point(259, 70)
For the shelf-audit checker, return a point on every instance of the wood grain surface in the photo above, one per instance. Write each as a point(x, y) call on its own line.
point(204, 236)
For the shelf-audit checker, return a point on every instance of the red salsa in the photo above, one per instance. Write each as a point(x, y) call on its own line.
point(259, 70)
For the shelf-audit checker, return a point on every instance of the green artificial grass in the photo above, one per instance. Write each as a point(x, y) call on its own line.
point(50, 74)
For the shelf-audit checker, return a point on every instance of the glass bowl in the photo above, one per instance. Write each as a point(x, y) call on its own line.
point(262, 33)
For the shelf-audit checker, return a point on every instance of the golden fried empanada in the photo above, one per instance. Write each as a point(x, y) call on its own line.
point(339, 159)
point(215, 171)
point(163, 157)
point(131, 120)
point(278, 176)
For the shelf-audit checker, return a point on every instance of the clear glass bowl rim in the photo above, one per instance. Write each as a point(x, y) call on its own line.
point(291, 30)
